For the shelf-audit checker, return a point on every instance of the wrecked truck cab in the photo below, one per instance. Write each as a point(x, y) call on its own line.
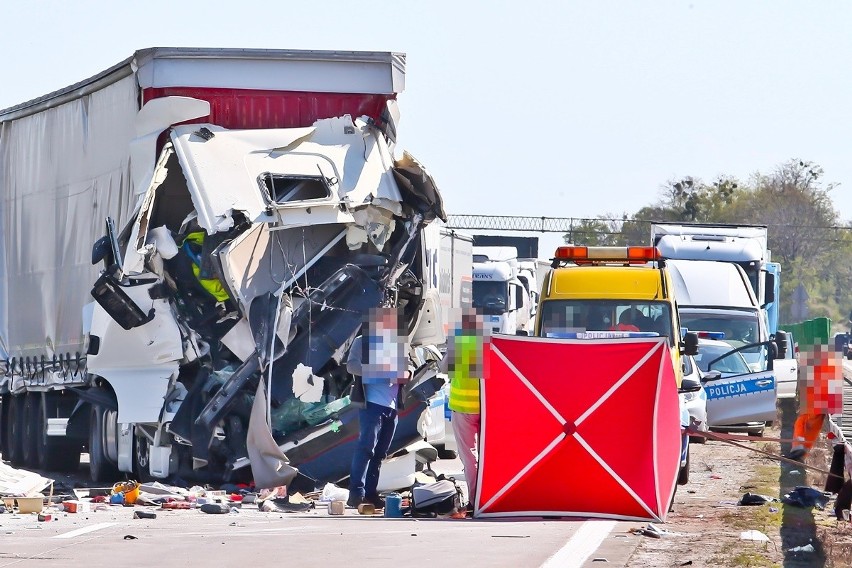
point(260, 252)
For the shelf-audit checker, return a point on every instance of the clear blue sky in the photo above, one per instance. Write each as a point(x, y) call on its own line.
point(559, 108)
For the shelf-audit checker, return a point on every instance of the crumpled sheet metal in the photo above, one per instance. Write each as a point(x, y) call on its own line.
point(20, 482)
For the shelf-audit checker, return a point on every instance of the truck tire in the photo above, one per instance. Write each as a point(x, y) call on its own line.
point(54, 453)
point(14, 429)
point(28, 438)
point(101, 469)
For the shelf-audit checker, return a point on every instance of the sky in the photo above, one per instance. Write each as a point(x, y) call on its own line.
point(562, 108)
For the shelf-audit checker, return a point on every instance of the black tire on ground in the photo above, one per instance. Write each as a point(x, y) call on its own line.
point(844, 499)
point(55, 453)
point(28, 440)
point(14, 429)
point(683, 473)
point(100, 467)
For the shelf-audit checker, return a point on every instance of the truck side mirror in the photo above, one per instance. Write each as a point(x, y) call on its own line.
point(781, 344)
point(690, 343)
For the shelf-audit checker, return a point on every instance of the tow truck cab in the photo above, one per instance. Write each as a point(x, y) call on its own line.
point(621, 289)
point(622, 292)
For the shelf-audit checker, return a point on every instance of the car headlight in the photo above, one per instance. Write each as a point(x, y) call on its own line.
point(690, 396)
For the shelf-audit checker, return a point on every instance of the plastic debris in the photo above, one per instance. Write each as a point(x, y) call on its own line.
point(215, 509)
point(332, 492)
point(144, 515)
point(806, 497)
point(753, 499)
point(805, 548)
point(654, 531)
point(754, 535)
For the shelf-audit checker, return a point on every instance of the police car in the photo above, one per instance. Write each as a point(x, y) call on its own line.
point(738, 399)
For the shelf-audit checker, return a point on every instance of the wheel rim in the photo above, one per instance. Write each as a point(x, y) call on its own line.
point(142, 454)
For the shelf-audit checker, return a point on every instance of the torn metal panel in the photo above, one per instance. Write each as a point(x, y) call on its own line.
point(154, 117)
point(260, 260)
point(230, 171)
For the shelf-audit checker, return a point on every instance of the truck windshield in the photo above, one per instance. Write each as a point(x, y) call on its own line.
point(560, 316)
point(490, 296)
point(739, 330)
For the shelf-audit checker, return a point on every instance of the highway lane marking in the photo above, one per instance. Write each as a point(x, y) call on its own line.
point(581, 545)
point(85, 530)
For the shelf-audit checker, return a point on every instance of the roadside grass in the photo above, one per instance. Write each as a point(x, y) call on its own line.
point(746, 554)
point(743, 553)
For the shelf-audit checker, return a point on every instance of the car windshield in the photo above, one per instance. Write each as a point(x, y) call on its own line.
point(560, 316)
point(734, 363)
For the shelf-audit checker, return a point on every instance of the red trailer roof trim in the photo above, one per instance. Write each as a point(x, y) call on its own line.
point(254, 109)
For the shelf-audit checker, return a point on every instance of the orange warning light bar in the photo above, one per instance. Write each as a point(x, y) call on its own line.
point(607, 254)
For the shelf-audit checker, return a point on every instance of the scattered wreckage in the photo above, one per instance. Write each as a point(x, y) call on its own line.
point(246, 211)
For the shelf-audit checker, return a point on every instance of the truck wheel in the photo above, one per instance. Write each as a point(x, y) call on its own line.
point(54, 453)
point(100, 467)
point(142, 459)
point(14, 429)
point(28, 446)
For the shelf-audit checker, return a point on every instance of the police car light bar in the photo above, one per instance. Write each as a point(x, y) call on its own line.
point(608, 254)
point(718, 335)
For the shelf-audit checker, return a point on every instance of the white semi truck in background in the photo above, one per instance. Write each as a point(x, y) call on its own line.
point(188, 221)
point(498, 292)
point(744, 245)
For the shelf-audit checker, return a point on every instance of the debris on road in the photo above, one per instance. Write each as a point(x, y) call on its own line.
point(806, 497)
point(753, 499)
point(754, 535)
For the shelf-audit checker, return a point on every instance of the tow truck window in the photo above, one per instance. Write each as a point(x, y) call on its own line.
point(559, 316)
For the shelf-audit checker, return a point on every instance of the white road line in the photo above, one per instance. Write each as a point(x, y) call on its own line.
point(579, 547)
point(85, 530)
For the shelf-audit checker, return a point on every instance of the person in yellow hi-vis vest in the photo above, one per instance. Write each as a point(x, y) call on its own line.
point(464, 362)
point(192, 246)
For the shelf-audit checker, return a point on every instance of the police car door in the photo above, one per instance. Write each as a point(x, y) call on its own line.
point(737, 397)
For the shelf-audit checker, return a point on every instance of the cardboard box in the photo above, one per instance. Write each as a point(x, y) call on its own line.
point(30, 504)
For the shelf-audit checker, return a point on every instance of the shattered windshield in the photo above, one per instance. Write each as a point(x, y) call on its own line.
point(492, 297)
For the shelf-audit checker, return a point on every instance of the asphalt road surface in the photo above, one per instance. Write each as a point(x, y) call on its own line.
point(113, 538)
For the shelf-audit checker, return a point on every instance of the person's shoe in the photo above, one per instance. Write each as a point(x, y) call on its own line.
point(377, 501)
point(355, 500)
point(798, 454)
